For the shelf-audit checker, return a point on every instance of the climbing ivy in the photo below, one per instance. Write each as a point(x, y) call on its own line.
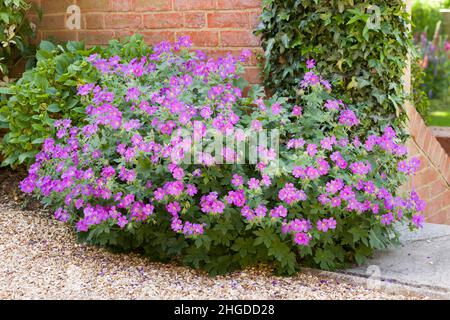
point(361, 45)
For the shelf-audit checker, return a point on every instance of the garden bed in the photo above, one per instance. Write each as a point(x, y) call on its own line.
point(41, 259)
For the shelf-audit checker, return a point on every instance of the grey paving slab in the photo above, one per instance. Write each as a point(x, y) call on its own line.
point(423, 260)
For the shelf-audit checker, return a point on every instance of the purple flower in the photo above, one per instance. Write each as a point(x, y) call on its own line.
point(348, 118)
point(253, 184)
point(278, 212)
point(311, 149)
point(310, 64)
point(260, 211)
point(237, 198)
point(27, 185)
point(173, 208)
point(122, 222)
point(256, 125)
point(290, 194)
point(334, 186)
point(191, 190)
point(302, 239)
point(237, 180)
point(210, 204)
point(326, 224)
point(108, 172)
point(418, 220)
point(132, 94)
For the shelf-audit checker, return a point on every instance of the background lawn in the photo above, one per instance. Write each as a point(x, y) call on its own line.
point(440, 113)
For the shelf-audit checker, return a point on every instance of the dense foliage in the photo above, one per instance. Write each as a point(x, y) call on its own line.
point(15, 33)
point(435, 62)
point(431, 73)
point(360, 46)
point(419, 96)
point(141, 174)
point(426, 15)
point(49, 92)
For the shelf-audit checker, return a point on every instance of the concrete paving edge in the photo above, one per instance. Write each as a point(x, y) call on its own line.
point(384, 285)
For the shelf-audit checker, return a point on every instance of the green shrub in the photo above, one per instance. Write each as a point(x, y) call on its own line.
point(426, 15)
point(419, 96)
point(48, 92)
point(365, 63)
point(15, 33)
point(150, 172)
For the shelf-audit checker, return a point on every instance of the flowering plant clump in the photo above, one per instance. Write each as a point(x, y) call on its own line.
point(167, 164)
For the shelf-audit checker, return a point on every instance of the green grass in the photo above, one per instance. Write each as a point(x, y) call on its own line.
point(439, 114)
point(439, 118)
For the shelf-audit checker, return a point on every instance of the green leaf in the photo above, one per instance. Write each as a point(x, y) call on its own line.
point(53, 108)
point(47, 46)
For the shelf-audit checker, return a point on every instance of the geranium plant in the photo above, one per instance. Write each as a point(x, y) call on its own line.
point(176, 162)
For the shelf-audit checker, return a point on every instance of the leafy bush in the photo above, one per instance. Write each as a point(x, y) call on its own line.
point(435, 63)
point(365, 61)
point(48, 92)
point(419, 96)
point(15, 31)
point(150, 172)
point(426, 15)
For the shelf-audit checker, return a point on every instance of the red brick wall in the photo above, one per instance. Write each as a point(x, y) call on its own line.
point(215, 26)
point(432, 182)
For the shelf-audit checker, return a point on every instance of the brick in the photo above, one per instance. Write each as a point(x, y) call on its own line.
point(238, 39)
point(432, 208)
point(238, 4)
point(96, 37)
point(439, 217)
point(252, 75)
point(413, 128)
point(92, 5)
point(122, 34)
point(153, 5)
point(163, 20)
point(53, 22)
point(427, 143)
point(438, 205)
point(425, 177)
point(93, 21)
point(254, 19)
point(123, 21)
point(435, 153)
point(193, 4)
point(228, 20)
point(202, 38)
point(35, 2)
point(421, 136)
point(446, 170)
point(424, 162)
point(59, 35)
point(424, 192)
point(121, 5)
point(441, 162)
point(437, 187)
point(194, 19)
point(52, 6)
point(412, 147)
point(445, 198)
point(152, 37)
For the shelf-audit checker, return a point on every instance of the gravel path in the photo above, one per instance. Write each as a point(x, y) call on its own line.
point(40, 259)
